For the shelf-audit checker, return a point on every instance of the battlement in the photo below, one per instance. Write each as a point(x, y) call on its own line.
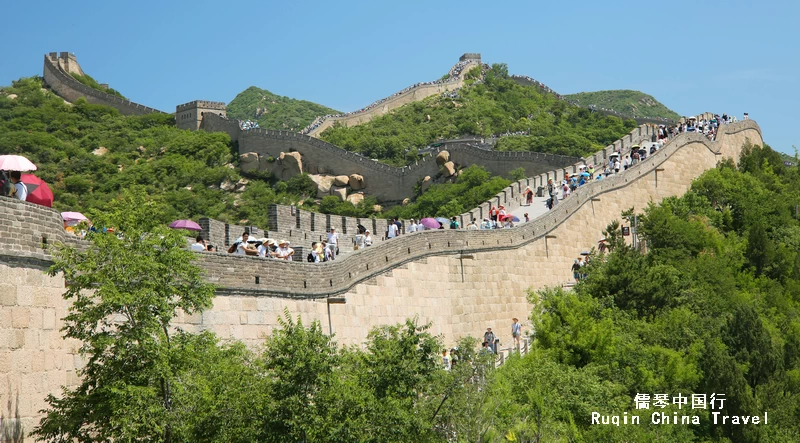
point(201, 104)
point(470, 56)
point(57, 75)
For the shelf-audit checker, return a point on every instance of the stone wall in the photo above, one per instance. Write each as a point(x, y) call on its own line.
point(461, 281)
point(385, 182)
point(414, 94)
point(71, 90)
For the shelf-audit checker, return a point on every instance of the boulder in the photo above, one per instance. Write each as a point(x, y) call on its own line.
point(290, 164)
point(324, 184)
point(377, 208)
point(227, 185)
point(101, 151)
point(449, 169)
point(248, 162)
point(12, 96)
point(341, 180)
point(406, 201)
point(357, 182)
point(339, 192)
point(442, 158)
point(355, 198)
point(426, 183)
point(242, 184)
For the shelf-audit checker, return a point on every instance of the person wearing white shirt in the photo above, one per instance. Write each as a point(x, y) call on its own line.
point(21, 188)
point(284, 252)
point(391, 230)
point(199, 245)
point(412, 227)
point(472, 226)
point(264, 250)
point(242, 247)
point(367, 238)
point(333, 241)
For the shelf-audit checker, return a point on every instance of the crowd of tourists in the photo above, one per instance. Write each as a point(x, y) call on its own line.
point(454, 74)
point(247, 125)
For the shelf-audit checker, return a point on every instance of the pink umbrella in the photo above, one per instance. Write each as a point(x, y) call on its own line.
point(16, 163)
point(72, 218)
point(185, 224)
point(430, 223)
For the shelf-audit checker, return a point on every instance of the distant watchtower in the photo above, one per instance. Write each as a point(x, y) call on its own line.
point(190, 115)
point(470, 56)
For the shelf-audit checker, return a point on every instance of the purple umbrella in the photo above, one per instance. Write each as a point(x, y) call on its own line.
point(513, 218)
point(430, 223)
point(185, 224)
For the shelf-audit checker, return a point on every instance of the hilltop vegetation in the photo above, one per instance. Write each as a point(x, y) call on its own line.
point(495, 105)
point(633, 103)
point(90, 153)
point(92, 83)
point(273, 111)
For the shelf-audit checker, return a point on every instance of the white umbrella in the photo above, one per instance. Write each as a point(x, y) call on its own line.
point(16, 163)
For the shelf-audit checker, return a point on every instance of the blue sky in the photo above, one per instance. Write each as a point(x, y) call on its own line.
point(734, 56)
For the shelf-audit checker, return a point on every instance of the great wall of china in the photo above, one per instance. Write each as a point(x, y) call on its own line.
point(461, 281)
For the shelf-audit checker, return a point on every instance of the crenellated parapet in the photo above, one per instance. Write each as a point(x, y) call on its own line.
point(57, 75)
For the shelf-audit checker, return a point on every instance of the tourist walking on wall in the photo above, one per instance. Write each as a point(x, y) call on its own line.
point(367, 238)
point(576, 270)
point(528, 196)
point(516, 332)
point(21, 189)
point(446, 360)
point(358, 241)
point(490, 338)
point(391, 230)
point(333, 241)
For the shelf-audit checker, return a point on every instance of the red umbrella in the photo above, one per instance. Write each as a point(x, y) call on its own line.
point(38, 191)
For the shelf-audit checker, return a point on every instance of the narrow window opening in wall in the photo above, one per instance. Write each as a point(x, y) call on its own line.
point(367, 266)
point(331, 282)
point(498, 241)
point(409, 250)
point(429, 245)
point(349, 275)
point(387, 259)
point(44, 242)
point(448, 244)
point(305, 284)
point(258, 280)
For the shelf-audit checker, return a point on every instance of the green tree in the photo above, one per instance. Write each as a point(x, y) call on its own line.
point(125, 289)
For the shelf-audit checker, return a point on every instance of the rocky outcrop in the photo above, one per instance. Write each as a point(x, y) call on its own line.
point(449, 169)
point(101, 151)
point(249, 162)
point(357, 182)
point(339, 192)
point(324, 184)
point(355, 198)
point(341, 180)
point(406, 201)
point(442, 158)
point(426, 183)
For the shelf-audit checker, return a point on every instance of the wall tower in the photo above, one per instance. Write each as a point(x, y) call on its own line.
point(190, 115)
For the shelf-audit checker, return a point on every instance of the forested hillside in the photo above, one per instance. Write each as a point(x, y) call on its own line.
point(273, 111)
point(89, 153)
point(494, 105)
point(633, 103)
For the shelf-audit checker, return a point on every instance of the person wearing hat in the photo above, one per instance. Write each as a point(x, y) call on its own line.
point(284, 252)
point(333, 241)
point(265, 249)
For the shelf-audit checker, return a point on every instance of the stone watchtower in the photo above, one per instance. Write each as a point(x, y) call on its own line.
point(470, 56)
point(190, 115)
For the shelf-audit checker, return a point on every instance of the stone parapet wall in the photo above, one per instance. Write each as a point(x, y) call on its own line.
point(387, 183)
point(71, 90)
point(461, 281)
point(414, 94)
